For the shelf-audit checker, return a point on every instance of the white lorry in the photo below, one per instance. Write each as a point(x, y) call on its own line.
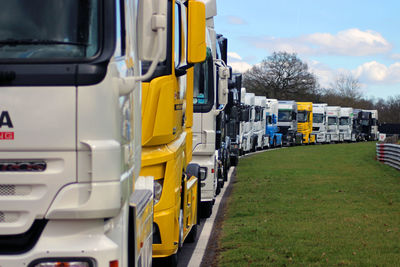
point(346, 124)
point(320, 124)
point(210, 94)
point(332, 118)
point(70, 192)
point(287, 123)
point(248, 135)
point(259, 126)
point(244, 121)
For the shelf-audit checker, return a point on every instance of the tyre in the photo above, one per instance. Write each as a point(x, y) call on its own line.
point(206, 209)
point(172, 260)
point(225, 173)
point(234, 160)
point(192, 236)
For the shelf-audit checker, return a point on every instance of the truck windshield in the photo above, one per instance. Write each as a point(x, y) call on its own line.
point(302, 116)
point(318, 118)
point(332, 120)
point(285, 115)
point(344, 121)
point(48, 29)
point(364, 122)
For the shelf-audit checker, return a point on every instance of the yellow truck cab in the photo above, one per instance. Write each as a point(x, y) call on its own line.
point(305, 121)
point(166, 130)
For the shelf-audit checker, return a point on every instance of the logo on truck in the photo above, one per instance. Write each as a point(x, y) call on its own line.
point(5, 121)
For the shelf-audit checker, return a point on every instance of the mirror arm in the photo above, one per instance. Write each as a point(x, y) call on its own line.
point(182, 69)
point(127, 85)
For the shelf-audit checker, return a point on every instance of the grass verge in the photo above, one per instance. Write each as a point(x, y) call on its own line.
point(327, 205)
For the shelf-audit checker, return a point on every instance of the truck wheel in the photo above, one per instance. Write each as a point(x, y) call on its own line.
point(192, 236)
point(206, 209)
point(172, 260)
point(225, 173)
point(180, 242)
point(234, 161)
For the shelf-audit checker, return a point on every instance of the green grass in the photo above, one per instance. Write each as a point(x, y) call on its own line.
point(329, 205)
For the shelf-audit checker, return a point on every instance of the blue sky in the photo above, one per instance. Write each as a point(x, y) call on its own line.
point(357, 37)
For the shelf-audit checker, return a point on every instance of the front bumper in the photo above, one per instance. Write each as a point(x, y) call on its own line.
point(83, 239)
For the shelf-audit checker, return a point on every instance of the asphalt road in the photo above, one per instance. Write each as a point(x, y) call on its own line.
point(192, 254)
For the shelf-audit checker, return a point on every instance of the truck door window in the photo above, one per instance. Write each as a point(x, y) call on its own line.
point(120, 47)
point(203, 87)
point(177, 34)
point(62, 29)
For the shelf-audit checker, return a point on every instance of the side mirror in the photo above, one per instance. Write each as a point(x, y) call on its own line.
point(152, 30)
point(223, 91)
point(196, 32)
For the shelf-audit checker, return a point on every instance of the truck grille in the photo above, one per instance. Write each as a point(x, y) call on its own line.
point(14, 190)
point(8, 217)
point(283, 129)
point(315, 129)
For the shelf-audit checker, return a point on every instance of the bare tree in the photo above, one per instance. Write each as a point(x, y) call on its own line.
point(347, 86)
point(282, 75)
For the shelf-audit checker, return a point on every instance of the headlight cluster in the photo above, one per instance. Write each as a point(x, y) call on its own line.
point(158, 186)
point(62, 263)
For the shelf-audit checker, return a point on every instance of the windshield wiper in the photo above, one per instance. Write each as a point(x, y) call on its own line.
point(14, 42)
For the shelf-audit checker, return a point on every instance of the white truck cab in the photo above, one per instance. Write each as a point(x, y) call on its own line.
point(248, 136)
point(210, 95)
point(287, 122)
point(320, 128)
point(332, 118)
point(260, 122)
point(70, 191)
point(346, 124)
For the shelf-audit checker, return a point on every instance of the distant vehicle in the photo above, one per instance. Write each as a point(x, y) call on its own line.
point(232, 111)
point(346, 124)
point(364, 124)
point(262, 139)
point(305, 121)
point(332, 115)
point(275, 138)
point(249, 100)
point(287, 122)
point(374, 124)
point(320, 123)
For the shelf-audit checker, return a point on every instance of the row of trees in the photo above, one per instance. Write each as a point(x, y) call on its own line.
point(284, 76)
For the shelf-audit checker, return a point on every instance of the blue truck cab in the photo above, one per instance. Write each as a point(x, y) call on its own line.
point(271, 129)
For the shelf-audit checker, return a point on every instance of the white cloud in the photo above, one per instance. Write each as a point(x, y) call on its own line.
point(235, 20)
point(350, 42)
point(324, 73)
point(375, 72)
point(240, 66)
point(234, 55)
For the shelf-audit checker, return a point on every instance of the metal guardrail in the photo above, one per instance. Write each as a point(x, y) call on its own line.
point(389, 154)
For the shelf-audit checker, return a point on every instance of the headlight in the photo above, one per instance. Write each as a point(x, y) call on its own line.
point(63, 263)
point(203, 173)
point(158, 185)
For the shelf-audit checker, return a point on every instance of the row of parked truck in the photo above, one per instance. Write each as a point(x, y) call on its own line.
point(120, 120)
point(114, 130)
point(265, 123)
